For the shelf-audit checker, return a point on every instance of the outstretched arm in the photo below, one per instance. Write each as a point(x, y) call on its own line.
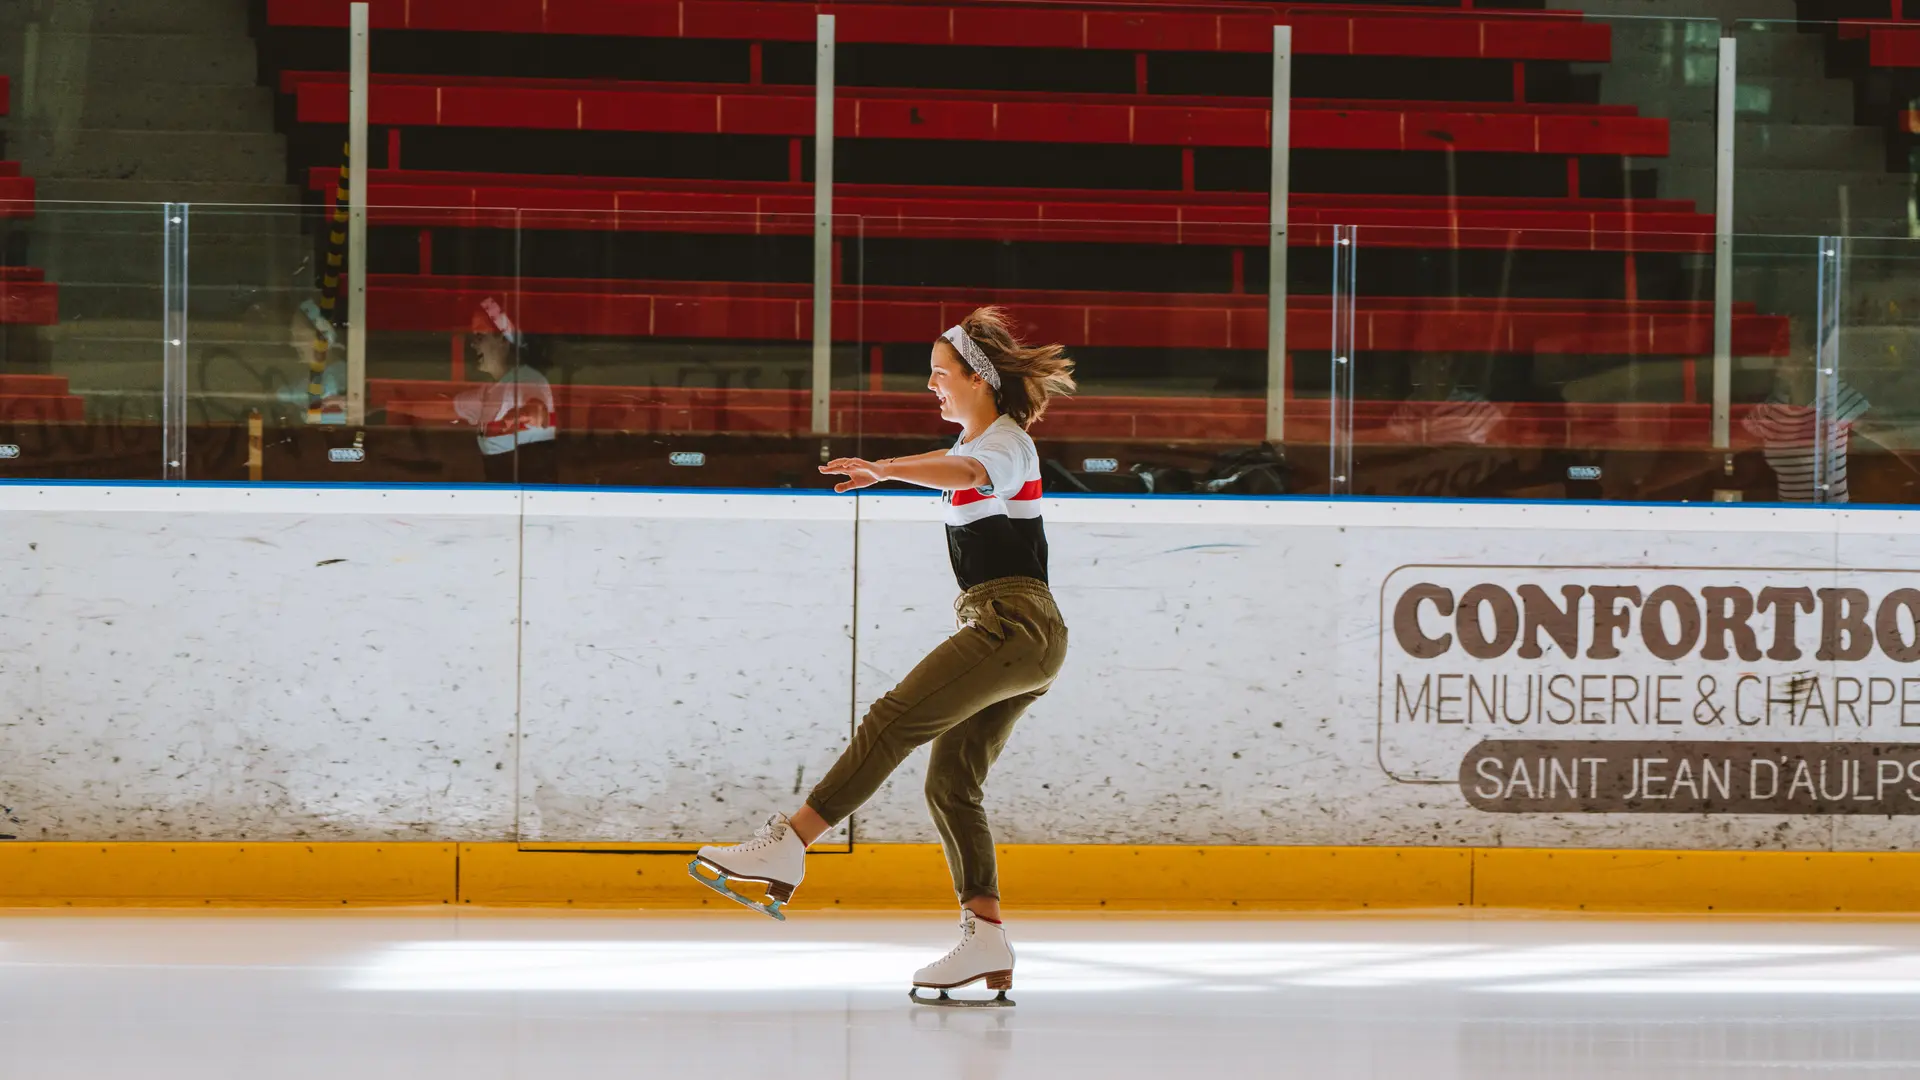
point(939, 470)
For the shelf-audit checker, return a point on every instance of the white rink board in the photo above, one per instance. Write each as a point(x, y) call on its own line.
point(267, 663)
point(271, 664)
point(683, 666)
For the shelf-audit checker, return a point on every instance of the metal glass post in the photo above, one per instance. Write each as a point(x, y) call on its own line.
point(823, 227)
point(1340, 387)
point(1826, 369)
point(357, 89)
point(1277, 235)
point(1724, 131)
point(173, 352)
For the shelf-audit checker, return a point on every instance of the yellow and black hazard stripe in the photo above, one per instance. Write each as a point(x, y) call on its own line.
point(336, 256)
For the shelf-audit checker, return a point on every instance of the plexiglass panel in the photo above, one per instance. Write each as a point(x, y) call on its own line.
point(679, 352)
point(1870, 400)
point(1543, 363)
point(82, 321)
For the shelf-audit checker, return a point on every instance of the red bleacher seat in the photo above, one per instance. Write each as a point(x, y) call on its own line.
point(782, 312)
point(1206, 218)
point(34, 385)
point(1867, 10)
point(980, 116)
point(27, 298)
point(16, 197)
point(1322, 29)
point(708, 410)
point(35, 409)
point(1888, 45)
point(38, 399)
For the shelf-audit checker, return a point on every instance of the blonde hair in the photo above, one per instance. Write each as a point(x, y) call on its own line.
point(1031, 376)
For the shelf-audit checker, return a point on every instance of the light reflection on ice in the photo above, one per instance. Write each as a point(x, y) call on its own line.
point(1113, 966)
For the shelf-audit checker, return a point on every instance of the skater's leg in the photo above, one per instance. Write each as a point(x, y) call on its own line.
point(1011, 643)
point(808, 825)
point(957, 768)
point(968, 672)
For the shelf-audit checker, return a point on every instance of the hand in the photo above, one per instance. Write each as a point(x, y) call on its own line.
point(859, 472)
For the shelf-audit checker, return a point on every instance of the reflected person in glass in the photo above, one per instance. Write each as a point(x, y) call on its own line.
point(311, 335)
point(515, 412)
point(1785, 425)
point(1442, 410)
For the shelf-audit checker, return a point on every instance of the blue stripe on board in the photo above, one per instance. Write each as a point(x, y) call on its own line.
point(1199, 497)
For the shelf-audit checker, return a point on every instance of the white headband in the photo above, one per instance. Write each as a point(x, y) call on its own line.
point(975, 357)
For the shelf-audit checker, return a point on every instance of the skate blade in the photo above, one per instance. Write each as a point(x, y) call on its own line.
point(771, 908)
point(1000, 1000)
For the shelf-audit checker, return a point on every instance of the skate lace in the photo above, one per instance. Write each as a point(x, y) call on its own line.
point(766, 835)
point(966, 935)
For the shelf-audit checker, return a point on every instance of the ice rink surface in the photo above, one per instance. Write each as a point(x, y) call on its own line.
point(481, 995)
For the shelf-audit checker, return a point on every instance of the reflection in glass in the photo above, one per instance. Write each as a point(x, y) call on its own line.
point(81, 326)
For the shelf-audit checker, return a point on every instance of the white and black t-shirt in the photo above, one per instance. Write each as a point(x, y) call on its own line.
point(514, 411)
point(995, 531)
point(1465, 418)
point(1787, 434)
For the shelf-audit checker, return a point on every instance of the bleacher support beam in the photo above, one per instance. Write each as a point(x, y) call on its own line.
point(1277, 237)
point(823, 227)
point(1723, 250)
point(357, 37)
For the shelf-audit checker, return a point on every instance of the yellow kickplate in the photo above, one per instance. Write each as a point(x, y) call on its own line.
point(914, 876)
point(872, 876)
point(237, 874)
point(1671, 882)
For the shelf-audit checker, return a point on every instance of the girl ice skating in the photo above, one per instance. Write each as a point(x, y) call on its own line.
point(966, 695)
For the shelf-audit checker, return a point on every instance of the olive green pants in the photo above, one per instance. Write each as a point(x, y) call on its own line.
point(964, 698)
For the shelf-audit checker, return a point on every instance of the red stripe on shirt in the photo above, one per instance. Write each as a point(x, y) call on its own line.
point(1027, 493)
point(527, 417)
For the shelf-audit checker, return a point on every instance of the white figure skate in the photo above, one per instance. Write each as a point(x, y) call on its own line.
point(775, 857)
point(983, 953)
